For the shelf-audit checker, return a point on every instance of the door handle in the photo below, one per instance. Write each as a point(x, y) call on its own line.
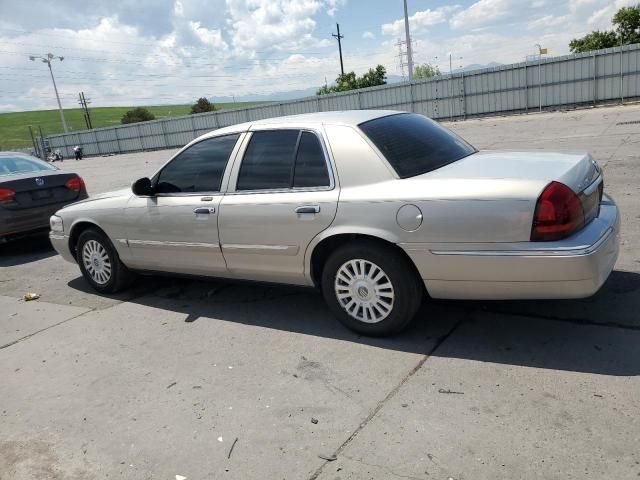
point(204, 210)
point(308, 209)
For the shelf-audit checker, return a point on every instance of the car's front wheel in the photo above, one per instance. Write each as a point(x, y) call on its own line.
point(100, 264)
point(371, 289)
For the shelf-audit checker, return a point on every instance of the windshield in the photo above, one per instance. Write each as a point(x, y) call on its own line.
point(17, 165)
point(414, 144)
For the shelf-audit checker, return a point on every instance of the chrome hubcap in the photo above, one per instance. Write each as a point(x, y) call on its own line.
point(364, 291)
point(96, 262)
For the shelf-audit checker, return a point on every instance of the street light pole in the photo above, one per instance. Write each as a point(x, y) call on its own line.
point(47, 60)
point(408, 39)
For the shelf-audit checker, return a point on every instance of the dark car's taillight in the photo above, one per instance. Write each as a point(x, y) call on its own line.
point(75, 184)
point(6, 194)
point(558, 214)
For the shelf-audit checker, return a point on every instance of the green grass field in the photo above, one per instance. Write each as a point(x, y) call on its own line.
point(14, 127)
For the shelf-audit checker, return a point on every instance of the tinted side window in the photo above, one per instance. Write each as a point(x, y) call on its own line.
point(414, 144)
point(268, 161)
point(199, 168)
point(311, 166)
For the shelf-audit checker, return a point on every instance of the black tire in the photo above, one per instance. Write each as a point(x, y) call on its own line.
point(119, 275)
point(407, 288)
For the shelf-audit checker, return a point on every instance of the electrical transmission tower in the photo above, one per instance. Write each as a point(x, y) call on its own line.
point(403, 58)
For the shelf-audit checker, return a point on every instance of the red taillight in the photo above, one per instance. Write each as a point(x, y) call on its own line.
point(558, 214)
point(76, 184)
point(6, 194)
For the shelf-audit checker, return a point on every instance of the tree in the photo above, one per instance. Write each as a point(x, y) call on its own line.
point(426, 70)
point(595, 40)
point(202, 105)
point(627, 30)
point(138, 114)
point(627, 21)
point(349, 81)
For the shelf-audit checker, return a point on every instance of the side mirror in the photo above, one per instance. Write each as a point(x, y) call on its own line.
point(142, 187)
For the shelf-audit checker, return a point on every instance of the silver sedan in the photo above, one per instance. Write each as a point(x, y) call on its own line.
point(378, 209)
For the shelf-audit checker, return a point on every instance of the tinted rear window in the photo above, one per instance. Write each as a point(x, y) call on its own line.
point(19, 165)
point(268, 160)
point(414, 144)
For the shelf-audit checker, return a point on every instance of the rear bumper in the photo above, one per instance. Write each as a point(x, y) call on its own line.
point(19, 222)
point(572, 268)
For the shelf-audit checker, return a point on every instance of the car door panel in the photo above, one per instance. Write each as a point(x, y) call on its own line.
point(265, 239)
point(166, 234)
point(264, 234)
point(176, 230)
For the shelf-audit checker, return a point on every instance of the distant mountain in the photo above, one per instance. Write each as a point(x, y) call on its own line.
point(311, 91)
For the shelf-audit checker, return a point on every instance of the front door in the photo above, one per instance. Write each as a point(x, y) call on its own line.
point(284, 196)
point(176, 229)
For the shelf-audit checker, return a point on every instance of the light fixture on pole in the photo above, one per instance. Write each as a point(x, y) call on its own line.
point(47, 59)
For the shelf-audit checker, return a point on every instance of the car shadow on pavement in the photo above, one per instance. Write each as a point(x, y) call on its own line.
point(25, 250)
point(596, 335)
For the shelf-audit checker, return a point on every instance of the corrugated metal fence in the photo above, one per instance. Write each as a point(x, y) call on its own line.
point(586, 78)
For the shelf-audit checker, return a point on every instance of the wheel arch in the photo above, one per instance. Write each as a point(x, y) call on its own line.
point(77, 229)
point(319, 252)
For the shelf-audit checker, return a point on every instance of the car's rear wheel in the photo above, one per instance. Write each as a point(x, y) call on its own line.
point(100, 264)
point(371, 289)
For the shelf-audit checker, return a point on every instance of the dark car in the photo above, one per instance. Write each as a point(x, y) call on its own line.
point(31, 191)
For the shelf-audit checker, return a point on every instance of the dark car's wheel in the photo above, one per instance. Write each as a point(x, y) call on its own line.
point(100, 264)
point(372, 289)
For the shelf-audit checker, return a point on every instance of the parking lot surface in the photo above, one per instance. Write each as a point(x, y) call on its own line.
point(206, 380)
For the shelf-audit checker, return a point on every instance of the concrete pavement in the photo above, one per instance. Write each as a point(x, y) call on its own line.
point(159, 382)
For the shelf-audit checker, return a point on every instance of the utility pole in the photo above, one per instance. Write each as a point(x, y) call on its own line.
point(85, 110)
point(47, 59)
point(35, 145)
point(339, 38)
point(408, 40)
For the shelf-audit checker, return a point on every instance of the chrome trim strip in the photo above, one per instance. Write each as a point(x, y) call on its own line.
point(529, 253)
point(592, 187)
point(156, 243)
point(289, 250)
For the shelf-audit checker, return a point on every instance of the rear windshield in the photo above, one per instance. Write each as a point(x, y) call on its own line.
point(414, 144)
point(16, 165)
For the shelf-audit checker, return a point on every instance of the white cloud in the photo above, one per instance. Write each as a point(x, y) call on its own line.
point(548, 21)
point(212, 38)
point(484, 12)
point(601, 19)
point(419, 21)
point(368, 35)
point(273, 24)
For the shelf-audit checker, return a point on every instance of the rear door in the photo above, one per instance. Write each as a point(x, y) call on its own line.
point(282, 194)
point(176, 230)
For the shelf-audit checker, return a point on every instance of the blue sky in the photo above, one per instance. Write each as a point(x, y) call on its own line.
point(125, 52)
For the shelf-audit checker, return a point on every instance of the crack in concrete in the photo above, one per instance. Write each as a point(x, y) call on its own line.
point(575, 321)
point(388, 397)
point(26, 337)
point(44, 329)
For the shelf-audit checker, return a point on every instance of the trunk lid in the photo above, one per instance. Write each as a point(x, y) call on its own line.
point(576, 170)
point(37, 190)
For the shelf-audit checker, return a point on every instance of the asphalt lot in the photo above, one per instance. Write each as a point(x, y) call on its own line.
point(160, 381)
